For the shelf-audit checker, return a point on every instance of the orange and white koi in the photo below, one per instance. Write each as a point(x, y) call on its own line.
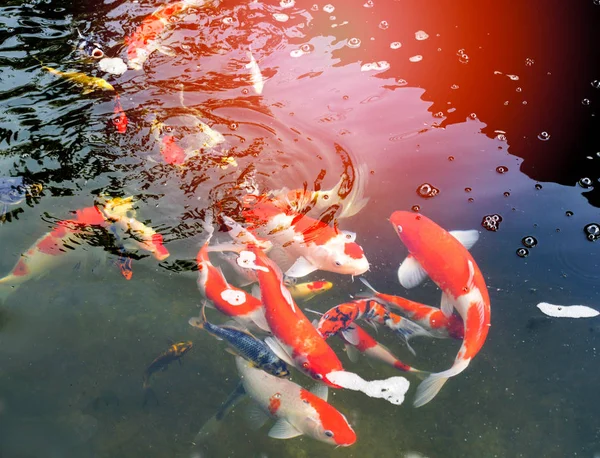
point(297, 410)
point(227, 299)
point(342, 316)
point(356, 337)
point(306, 291)
point(445, 258)
point(119, 119)
point(47, 251)
point(147, 36)
point(294, 340)
point(315, 244)
point(431, 318)
point(120, 214)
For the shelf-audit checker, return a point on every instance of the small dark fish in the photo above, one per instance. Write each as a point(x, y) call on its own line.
point(245, 345)
point(13, 190)
point(89, 46)
point(161, 363)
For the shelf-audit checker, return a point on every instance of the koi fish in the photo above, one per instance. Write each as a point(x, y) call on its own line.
point(445, 258)
point(255, 75)
point(227, 299)
point(147, 36)
point(120, 214)
point(306, 291)
point(342, 316)
point(171, 152)
point(294, 340)
point(245, 345)
point(90, 83)
point(161, 363)
point(13, 191)
point(315, 244)
point(48, 250)
point(119, 119)
point(89, 46)
point(357, 338)
point(430, 318)
point(297, 410)
point(246, 276)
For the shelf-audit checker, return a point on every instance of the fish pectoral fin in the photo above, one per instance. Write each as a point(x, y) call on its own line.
point(231, 351)
point(351, 336)
point(352, 353)
point(301, 268)
point(258, 318)
point(410, 272)
point(466, 238)
point(283, 429)
point(276, 348)
point(255, 291)
point(320, 391)
point(447, 305)
point(255, 416)
point(87, 91)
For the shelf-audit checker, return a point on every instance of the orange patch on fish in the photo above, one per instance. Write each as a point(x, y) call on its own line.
point(274, 403)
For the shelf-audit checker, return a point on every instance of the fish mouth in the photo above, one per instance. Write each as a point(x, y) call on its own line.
point(97, 53)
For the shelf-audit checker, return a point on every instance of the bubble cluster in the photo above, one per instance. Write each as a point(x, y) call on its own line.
point(529, 62)
point(427, 191)
point(401, 82)
point(529, 241)
point(383, 25)
point(463, 58)
point(501, 169)
point(586, 182)
point(592, 232)
point(522, 252)
point(353, 43)
point(491, 222)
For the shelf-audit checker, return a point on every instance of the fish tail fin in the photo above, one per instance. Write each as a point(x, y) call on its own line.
point(199, 321)
point(149, 395)
point(431, 386)
point(407, 330)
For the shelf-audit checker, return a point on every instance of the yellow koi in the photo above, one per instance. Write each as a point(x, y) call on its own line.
point(90, 83)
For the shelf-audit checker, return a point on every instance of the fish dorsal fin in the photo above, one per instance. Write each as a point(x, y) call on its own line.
point(283, 430)
point(255, 416)
point(466, 238)
point(287, 295)
point(351, 336)
point(410, 272)
point(447, 305)
point(276, 348)
point(301, 268)
point(320, 391)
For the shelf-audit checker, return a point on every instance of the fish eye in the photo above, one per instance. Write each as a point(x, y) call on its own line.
point(338, 263)
point(329, 433)
point(325, 196)
point(318, 376)
point(399, 228)
point(305, 365)
point(168, 129)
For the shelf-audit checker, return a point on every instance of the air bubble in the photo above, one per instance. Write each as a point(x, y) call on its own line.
point(569, 213)
point(280, 17)
point(417, 58)
point(395, 45)
point(315, 7)
point(353, 43)
point(473, 116)
point(585, 102)
point(307, 48)
point(297, 53)
point(227, 20)
point(450, 158)
point(468, 189)
point(506, 194)
point(596, 84)
point(592, 231)
point(427, 191)
point(421, 35)
point(529, 241)
point(287, 3)
point(586, 182)
point(233, 126)
point(329, 8)
point(501, 169)
point(470, 199)
point(401, 82)
point(383, 25)
point(544, 136)
point(369, 4)
point(454, 86)
point(522, 252)
point(415, 208)
point(513, 77)
point(538, 186)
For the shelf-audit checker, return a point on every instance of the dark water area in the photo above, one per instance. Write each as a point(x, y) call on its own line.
point(492, 103)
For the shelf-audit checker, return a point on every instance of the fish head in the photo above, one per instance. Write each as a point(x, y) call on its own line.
point(278, 368)
point(411, 228)
point(324, 422)
point(90, 46)
point(342, 256)
point(12, 190)
point(183, 347)
point(120, 122)
point(337, 319)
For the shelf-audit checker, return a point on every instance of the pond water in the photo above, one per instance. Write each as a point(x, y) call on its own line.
point(494, 104)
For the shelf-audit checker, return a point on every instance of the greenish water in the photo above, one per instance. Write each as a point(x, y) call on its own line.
point(74, 343)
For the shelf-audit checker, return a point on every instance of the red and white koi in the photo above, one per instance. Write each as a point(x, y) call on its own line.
point(256, 76)
point(431, 318)
point(306, 291)
point(119, 119)
point(445, 258)
point(147, 37)
point(315, 244)
point(229, 300)
point(297, 410)
point(356, 337)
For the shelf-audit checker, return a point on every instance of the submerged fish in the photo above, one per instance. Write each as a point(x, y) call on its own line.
point(161, 363)
point(297, 410)
point(306, 291)
point(13, 191)
point(119, 119)
point(255, 74)
point(245, 345)
point(90, 46)
point(89, 83)
point(444, 257)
